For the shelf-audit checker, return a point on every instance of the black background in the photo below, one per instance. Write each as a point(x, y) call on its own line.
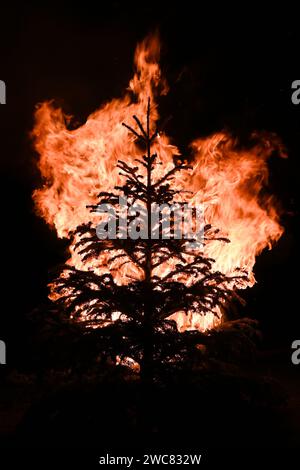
point(226, 68)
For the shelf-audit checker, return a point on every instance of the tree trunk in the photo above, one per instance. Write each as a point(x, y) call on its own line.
point(147, 362)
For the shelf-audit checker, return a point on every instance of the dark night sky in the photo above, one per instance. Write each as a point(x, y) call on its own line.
point(229, 71)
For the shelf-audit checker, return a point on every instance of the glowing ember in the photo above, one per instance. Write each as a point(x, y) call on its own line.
point(77, 164)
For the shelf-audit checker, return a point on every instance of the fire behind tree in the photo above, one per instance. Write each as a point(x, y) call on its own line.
point(229, 182)
point(171, 272)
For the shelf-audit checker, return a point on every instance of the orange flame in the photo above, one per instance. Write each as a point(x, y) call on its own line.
point(77, 164)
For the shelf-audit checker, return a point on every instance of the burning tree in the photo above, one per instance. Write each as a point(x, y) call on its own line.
point(134, 319)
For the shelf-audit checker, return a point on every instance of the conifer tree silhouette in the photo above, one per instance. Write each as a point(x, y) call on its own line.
point(143, 330)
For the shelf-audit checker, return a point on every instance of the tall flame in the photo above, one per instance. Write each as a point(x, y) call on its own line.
point(77, 164)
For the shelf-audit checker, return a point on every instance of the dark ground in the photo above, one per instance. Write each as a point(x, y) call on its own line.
point(235, 71)
point(23, 404)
